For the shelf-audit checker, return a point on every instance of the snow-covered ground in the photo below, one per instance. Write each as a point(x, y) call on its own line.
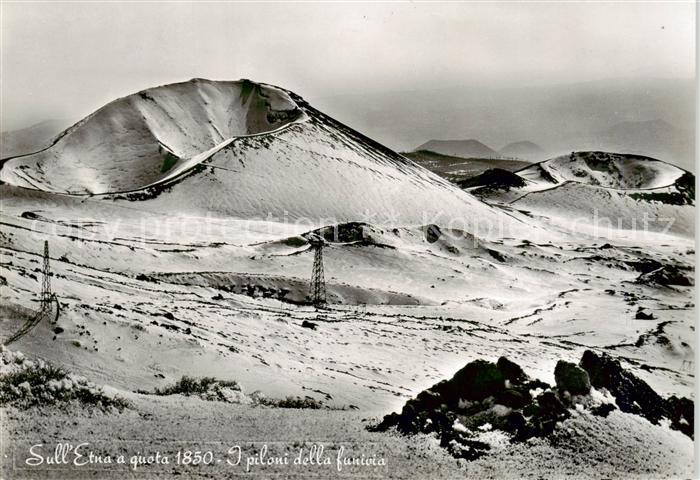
point(202, 273)
point(620, 446)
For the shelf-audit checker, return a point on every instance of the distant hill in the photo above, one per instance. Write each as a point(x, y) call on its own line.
point(457, 169)
point(459, 148)
point(562, 118)
point(604, 169)
point(525, 150)
point(30, 139)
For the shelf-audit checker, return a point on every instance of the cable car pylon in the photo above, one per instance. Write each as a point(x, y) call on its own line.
point(318, 281)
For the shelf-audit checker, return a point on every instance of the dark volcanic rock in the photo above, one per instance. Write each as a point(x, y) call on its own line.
point(682, 414)
point(342, 232)
point(512, 398)
point(642, 315)
point(511, 370)
point(432, 233)
point(571, 378)
point(494, 178)
point(467, 397)
point(603, 410)
point(666, 275)
point(645, 266)
point(481, 392)
point(634, 395)
point(475, 381)
point(501, 395)
point(550, 411)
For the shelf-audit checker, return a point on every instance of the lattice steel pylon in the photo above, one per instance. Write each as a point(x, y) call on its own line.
point(318, 282)
point(46, 281)
point(46, 298)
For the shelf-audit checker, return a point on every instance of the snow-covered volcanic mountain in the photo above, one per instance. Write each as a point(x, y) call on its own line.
point(151, 136)
point(237, 148)
point(604, 169)
point(630, 191)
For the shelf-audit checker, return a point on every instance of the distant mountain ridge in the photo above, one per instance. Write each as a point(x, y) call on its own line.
point(459, 148)
point(562, 118)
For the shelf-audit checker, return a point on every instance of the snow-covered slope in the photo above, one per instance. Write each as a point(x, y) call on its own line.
point(241, 149)
point(582, 206)
point(145, 137)
point(595, 191)
point(314, 170)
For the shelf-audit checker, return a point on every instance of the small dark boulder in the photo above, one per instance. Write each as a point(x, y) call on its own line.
point(30, 215)
point(571, 378)
point(432, 233)
point(550, 405)
point(603, 410)
point(310, 325)
point(514, 422)
point(497, 255)
point(642, 315)
point(511, 370)
point(464, 448)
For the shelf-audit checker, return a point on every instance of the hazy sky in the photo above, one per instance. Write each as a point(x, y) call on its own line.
point(67, 59)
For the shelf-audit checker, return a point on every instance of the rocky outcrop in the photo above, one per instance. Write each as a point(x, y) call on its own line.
point(667, 275)
point(681, 412)
point(484, 396)
point(634, 395)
